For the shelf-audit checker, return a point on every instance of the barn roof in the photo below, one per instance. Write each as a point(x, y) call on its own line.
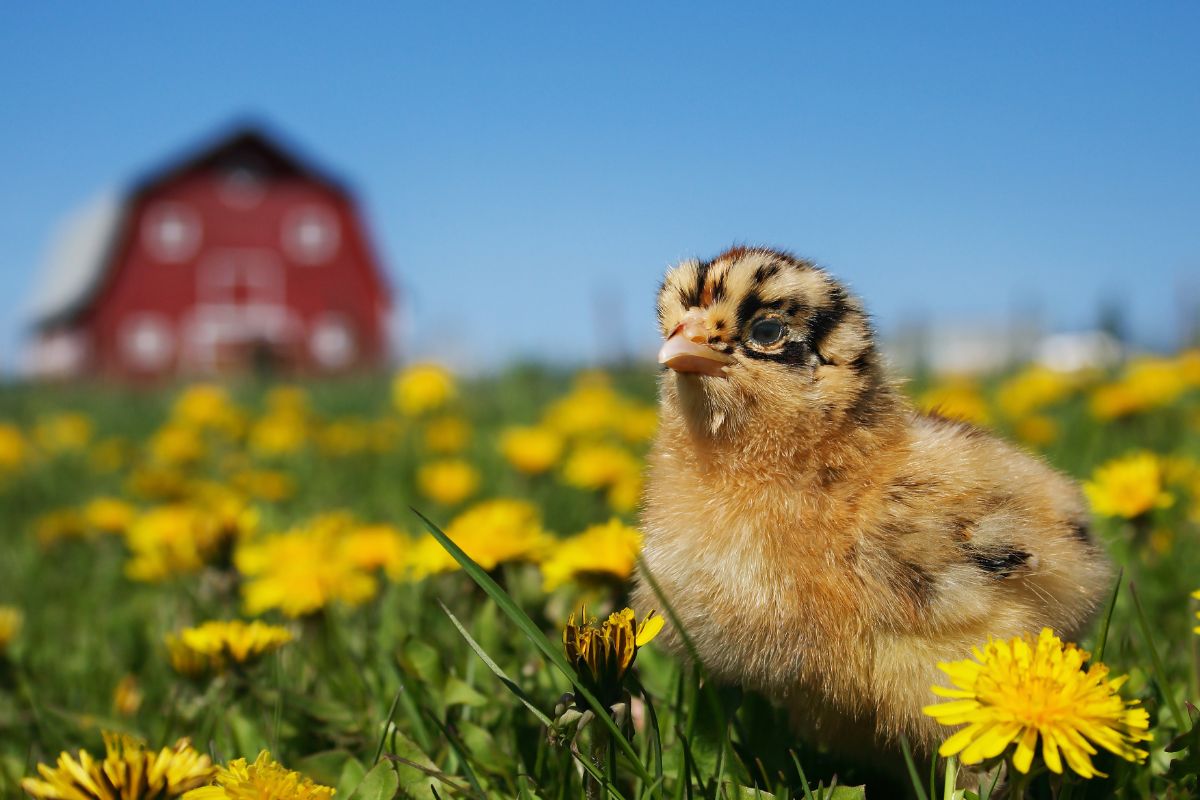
point(82, 245)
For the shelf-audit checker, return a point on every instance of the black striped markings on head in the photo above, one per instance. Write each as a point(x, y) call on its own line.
point(1000, 562)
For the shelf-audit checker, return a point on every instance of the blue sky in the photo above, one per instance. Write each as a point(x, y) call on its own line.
point(530, 168)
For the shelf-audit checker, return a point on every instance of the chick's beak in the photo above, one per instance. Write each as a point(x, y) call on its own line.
point(687, 349)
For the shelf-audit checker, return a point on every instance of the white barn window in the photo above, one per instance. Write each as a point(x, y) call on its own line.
point(311, 234)
point(171, 232)
point(332, 342)
point(147, 341)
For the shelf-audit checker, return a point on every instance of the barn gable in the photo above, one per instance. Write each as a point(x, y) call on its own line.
point(239, 251)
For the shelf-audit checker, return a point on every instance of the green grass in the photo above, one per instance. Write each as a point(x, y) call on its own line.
point(446, 685)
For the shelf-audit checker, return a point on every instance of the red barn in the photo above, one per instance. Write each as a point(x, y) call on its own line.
point(240, 256)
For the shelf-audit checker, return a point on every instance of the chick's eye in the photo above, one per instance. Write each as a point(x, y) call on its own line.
point(766, 331)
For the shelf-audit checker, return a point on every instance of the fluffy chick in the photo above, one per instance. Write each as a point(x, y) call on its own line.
point(821, 541)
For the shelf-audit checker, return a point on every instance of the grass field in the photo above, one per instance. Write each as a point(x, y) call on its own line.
point(130, 518)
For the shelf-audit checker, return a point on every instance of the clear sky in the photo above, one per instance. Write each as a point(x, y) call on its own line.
point(526, 164)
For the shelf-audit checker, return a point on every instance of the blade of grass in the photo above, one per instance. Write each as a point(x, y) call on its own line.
point(808, 795)
point(496, 669)
point(1160, 674)
point(912, 769)
point(1102, 638)
point(951, 778)
point(387, 723)
point(535, 635)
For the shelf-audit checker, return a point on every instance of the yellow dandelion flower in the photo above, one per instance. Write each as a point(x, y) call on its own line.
point(422, 388)
point(265, 779)
point(175, 445)
point(609, 550)
point(957, 398)
point(1034, 388)
point(171, 540)
point(278, 433)
point(638, 423)
point(216, 645)
point(448, 434)
point(592, 407)
point(13, 448)
point(1016, 691)
point(1128, 487)
point(300, 572)
point(602, 654)
point(1037, 430)
point(531, 450)
point(127, 697)
point(11, 620)
point(449, 481)
point(491, 533)
point(372, 547)
point(1146, 383)
point(109, 514)
point(128, 771)
point(207, 406)
point(600, 466)
point(1188, 363)
point(66, 432)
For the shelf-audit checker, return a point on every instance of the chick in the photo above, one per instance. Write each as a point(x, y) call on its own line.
point(821, 541)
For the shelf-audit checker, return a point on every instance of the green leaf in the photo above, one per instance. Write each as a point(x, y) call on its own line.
point(381, 783)
point(352, 775)
point(848, 793)
point(482, 748)
point(460, 693)
point(423, 660)
point(415, 770)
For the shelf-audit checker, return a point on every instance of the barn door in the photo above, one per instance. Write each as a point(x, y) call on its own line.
point(241, 316)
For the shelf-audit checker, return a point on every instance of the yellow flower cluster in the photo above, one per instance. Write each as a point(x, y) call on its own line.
point(1196, 596)
point(957, 397)
point(602, 654)
point(303, 570)
point(1146, 384)
point(214, 646)
point(422, 388)
point(531, 449)
point(128, 770)
point(448, 481)
point(1128, 487)
point(608, 550)
point(265, 779)
point(491, 533)
point(1023, 690)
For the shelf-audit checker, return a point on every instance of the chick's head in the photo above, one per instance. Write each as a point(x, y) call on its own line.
point(761, 344)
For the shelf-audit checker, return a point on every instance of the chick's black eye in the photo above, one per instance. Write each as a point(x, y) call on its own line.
point(766, 331)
